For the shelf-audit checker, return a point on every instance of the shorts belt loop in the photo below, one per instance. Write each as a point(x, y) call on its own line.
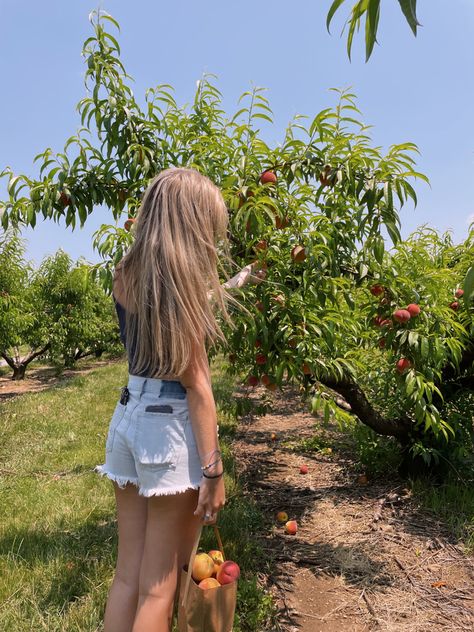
point(143, 386)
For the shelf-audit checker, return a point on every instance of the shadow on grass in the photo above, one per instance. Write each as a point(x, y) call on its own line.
point(69, 556)
point(72, 560)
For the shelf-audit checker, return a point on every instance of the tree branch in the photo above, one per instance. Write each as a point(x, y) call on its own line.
point(363, 409)
point(8, 359)
point(34, 354)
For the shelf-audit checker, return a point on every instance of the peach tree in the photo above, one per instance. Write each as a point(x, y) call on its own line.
point(18, 343)
point(74, 314)
point(317, 210)
point(56, 312)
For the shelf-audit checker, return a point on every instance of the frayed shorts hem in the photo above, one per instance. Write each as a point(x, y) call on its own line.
point(160, 491)
point(157, 491)
point(120, 480)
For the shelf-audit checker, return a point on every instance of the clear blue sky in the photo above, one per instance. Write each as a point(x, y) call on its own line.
point(419, 90)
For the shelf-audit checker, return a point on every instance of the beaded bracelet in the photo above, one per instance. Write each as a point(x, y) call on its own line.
point(206, 467)
point(203, 467)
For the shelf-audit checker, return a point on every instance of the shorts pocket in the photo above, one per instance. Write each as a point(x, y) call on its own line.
point(117, 417)
point(159, 435)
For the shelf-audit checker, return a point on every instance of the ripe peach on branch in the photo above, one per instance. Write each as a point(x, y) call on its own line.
point(129, 223)
point(378, 320)
point(401, 315)
point(260, 358)
point(282, 222)
point(244, 197)
point(403, 365)
point(298, 253)
point(268, 177)
point(325, 176)
point(64, 199)
point(377, 290)
point(413, 309)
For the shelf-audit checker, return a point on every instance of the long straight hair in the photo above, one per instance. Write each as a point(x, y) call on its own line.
point(171, 270)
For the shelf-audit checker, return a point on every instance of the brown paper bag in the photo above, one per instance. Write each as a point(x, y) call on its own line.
point(201, 610)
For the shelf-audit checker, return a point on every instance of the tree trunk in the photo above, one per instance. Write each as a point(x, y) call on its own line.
point(18, 365)
point(19, 371)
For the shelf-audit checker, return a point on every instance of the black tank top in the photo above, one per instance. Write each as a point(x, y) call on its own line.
point(129, 345)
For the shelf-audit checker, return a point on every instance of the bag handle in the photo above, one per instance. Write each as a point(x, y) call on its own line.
point(193, 555)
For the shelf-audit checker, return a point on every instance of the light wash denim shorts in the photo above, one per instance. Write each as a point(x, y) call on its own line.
point(150, 441)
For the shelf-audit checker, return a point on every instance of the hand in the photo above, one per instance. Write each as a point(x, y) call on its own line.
point(211, 499)
point(257, 273)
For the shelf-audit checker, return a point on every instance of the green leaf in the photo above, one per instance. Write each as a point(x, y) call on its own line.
point(393, 232)
point(468, 286)
point(327, 412)
point(279, 373)
point(371, 26)
point(424, 348)
point(409, 11)
point(379, 249)
point(334, 7)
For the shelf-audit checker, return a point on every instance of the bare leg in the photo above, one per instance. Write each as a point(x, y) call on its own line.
point(170, 532)
point(123, 594)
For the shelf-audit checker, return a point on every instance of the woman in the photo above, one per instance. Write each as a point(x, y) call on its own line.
point(162, 449)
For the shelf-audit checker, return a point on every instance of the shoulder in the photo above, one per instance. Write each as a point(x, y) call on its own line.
point(118, 287)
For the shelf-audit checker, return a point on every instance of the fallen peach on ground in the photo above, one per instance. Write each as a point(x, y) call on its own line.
point(282, 516)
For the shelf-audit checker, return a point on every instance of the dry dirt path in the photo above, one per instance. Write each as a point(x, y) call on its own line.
point(366, 556)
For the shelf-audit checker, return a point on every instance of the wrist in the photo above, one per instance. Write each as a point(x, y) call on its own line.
point(214, 475)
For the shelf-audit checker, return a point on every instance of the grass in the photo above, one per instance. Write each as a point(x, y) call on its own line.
point(453, 502)
point(57, 524)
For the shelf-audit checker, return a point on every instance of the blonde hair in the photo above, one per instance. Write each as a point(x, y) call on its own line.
point(171, 270)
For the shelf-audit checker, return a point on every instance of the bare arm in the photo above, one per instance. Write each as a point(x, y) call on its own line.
point(202, 407)
point(202, 414)
point(241, 278)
